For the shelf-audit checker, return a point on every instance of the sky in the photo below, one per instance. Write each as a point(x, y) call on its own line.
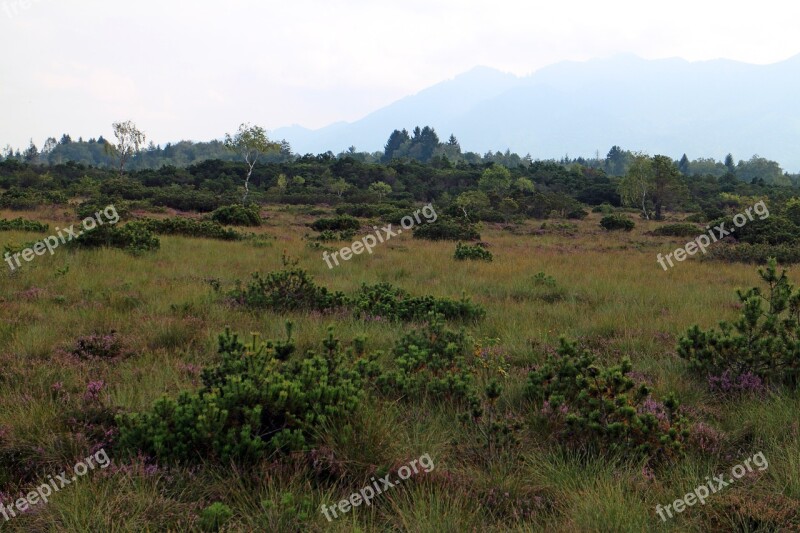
point(195, 70)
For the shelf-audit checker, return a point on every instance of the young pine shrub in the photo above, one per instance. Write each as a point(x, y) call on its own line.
point(393, 303)
point(677, 230)
point(430, 363)
point(237, 215)
point(254, 403)
point(477, 252)
point(600, 409)
point(764, 343)
point(447, 229)
point(616, 223)
point(338, 223)
point(290, 289)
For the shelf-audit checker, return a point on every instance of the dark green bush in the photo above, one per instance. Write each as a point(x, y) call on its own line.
point(617, 222)
point(21, 224)
point(384, 301)
point(600, 409)
point(764, 341)
point(332, 236)
point(477, 252)
point(359, 210)
point(447, 229)
point(339, 223)
point(133, 237)
point(254, 403)
point(237, 215)
point(290, 289)
point(431, 363)
point(677, 230)
point(775, 230)
point(189, 227)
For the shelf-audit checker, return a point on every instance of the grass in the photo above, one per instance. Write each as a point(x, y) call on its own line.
point(609, 293)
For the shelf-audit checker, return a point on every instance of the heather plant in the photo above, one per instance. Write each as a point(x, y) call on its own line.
point(255, 402)
point(393, 303)
point(601, 409)
point(476, 252)
point(617, 223)
point(332, 236)
point(763, 343)
point(237, 215)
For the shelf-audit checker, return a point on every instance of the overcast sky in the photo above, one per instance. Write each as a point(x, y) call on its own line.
point(196, 69)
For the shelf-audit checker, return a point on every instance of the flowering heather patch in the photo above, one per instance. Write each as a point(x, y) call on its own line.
point(728, 383)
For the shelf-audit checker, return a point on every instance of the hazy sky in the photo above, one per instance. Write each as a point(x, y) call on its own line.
point(194, 70)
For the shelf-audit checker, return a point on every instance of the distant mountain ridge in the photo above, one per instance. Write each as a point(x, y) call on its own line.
point(668, 106)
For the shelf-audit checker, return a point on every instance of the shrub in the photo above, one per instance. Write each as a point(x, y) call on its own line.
point(447, 229)
point(214, 517)
point(785, 254)
point(330, 236)
point(358, 210)
point(290, 289)
point(763, 342)
point(775, 230)
point(431, 363)
point(21, 224)
point(476, 252)
point(617, 222)
point(252, 404)
point(189, 227)
point(133, 237)
point(237, 215)
point(339, 223)
point(97, 346)
point(392, 303)
point(677, 230)
point(600, 409)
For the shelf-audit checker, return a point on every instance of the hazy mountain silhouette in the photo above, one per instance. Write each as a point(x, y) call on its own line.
point(668, 106)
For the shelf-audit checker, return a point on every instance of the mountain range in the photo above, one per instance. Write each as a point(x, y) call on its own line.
point(662, 106)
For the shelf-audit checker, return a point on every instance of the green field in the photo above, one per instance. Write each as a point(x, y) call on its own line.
point(609, 294)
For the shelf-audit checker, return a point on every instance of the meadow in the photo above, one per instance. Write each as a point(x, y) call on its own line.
point(607, 292)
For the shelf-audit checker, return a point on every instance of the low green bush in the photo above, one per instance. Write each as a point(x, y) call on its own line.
point(616, 223)
point(763, 342)
point(384, 301)
point(431, 363)
point(477, 252)
point(339, 223)
point(189, 227)
point(133, 237)
point(253, 403)
point(601, 410)
point(21, 224)
point(237, 215)
point(677, 230)
point(290, 289)
point(785, 254)
point(447, 229)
